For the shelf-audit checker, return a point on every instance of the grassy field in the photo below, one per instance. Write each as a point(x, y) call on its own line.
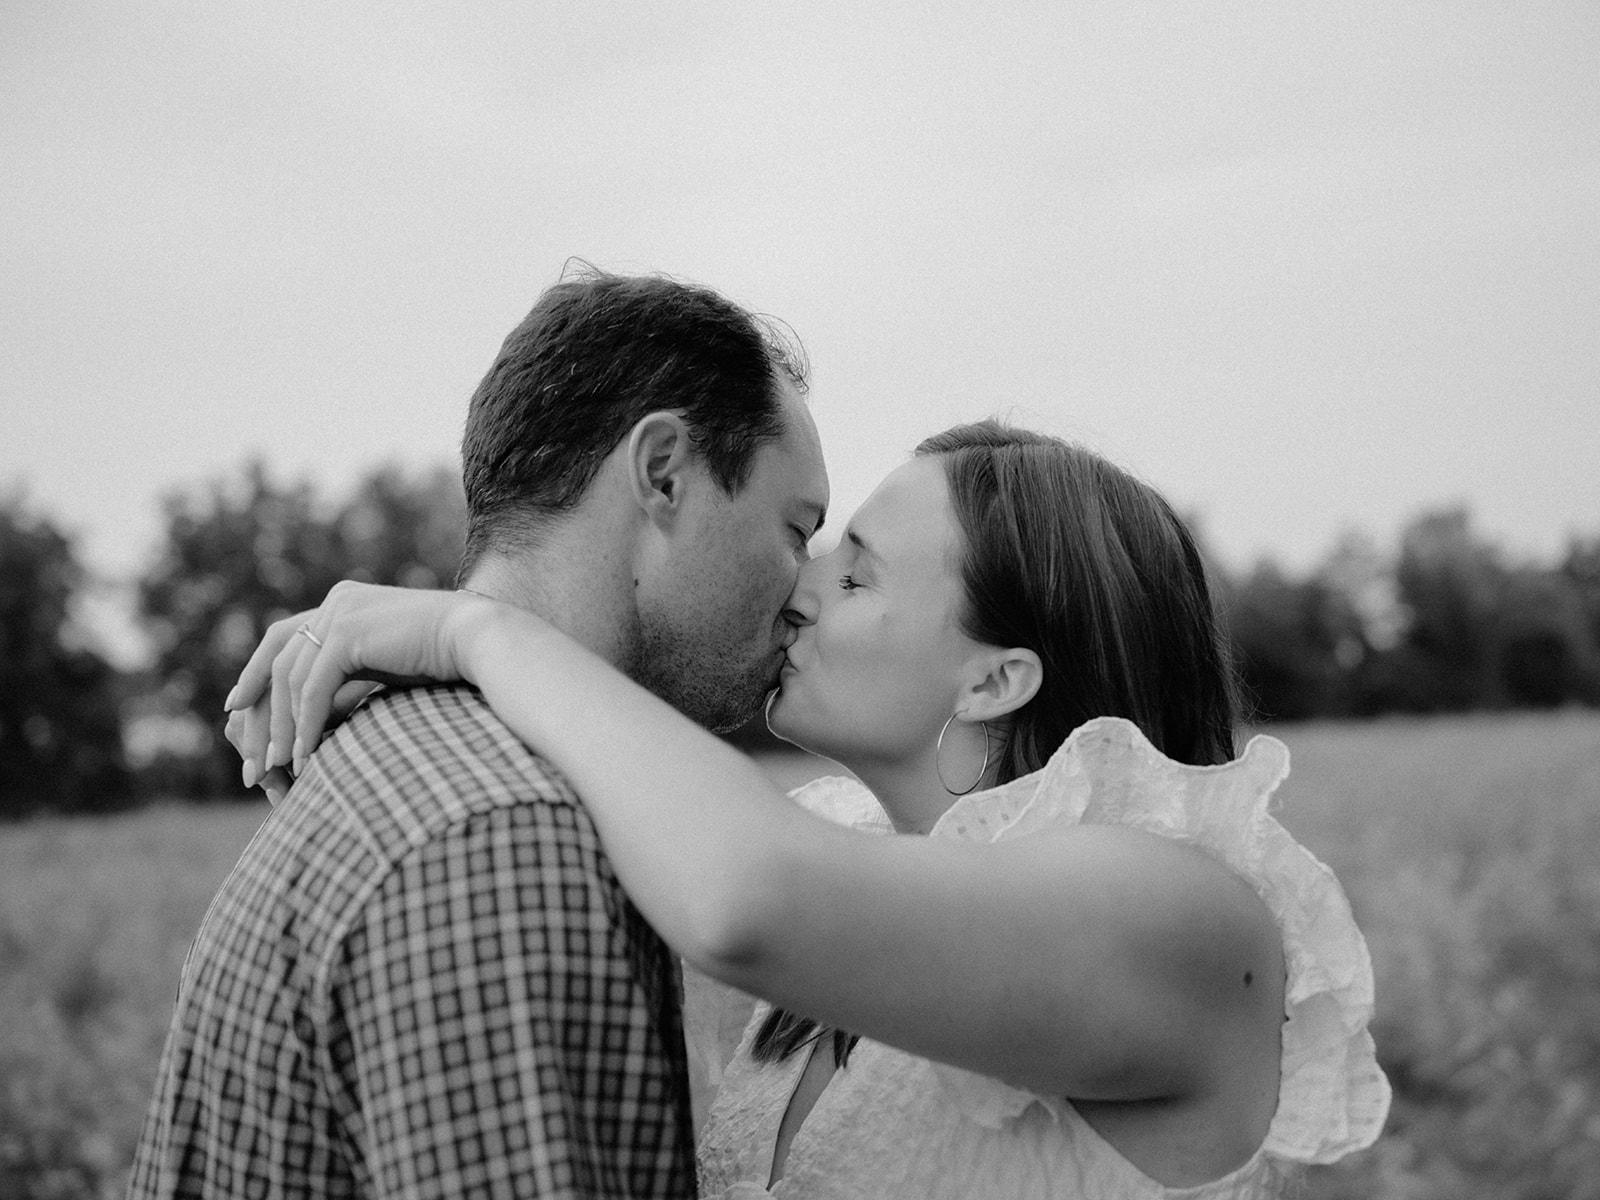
point(1468, 846)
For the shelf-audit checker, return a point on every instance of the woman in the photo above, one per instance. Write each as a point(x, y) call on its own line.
point(1105, 971)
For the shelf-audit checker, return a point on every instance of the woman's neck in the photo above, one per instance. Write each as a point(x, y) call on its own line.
point(911, 789)
point(909, 792)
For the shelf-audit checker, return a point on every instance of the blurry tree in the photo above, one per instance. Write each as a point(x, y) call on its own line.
point(1363, 576)
point(1446, 625)
point(1546, 645)
point(404, 530)
point(1451, 586)
point(60, 733)
point(1295, 643)
point(237, 558)
point(1581, 569)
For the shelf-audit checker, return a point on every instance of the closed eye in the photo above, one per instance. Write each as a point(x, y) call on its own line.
point(848, 583)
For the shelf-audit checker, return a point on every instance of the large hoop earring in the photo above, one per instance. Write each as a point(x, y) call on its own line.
point(938, 768)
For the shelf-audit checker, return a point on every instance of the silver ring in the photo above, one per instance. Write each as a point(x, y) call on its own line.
point(305, 631)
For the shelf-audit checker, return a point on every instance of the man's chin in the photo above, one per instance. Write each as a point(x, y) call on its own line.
point(727, 710)
point(724, 719)
point(718, 704)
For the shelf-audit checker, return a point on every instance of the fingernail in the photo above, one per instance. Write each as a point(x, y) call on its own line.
point(272, 755)
point(227, 705)
point(299, 756)
point(251, 772)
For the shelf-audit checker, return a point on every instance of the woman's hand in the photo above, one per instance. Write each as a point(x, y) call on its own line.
point(309, 667)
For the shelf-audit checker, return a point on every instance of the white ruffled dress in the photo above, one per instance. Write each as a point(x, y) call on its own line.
point(895, 1125)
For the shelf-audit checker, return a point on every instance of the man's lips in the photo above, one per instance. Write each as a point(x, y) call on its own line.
point(780, 668)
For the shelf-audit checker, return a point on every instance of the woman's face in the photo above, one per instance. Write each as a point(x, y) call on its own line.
point(874, 671)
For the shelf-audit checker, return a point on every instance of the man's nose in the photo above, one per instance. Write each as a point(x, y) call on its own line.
point(796, 619)
point(801, 608)
point(791, 632)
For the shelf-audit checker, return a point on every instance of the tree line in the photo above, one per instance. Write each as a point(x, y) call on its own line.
point(1444, 622)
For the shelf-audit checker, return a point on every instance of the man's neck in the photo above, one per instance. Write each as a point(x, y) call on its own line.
point(570, 581)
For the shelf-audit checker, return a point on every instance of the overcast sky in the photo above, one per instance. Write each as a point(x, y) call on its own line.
point(1303, 267)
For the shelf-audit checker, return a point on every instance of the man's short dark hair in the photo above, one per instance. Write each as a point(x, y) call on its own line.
point(597, 353)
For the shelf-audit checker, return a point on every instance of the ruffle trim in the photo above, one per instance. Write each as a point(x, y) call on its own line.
point(1332, 1098)
point(844, 801)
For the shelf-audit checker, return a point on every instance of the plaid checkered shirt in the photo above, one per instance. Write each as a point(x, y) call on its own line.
point(422, 979)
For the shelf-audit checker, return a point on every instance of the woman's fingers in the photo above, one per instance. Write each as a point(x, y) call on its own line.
point(305, 670)
point(234, 731)
point(324, 673)
point(257, 674)
point(249, 729)
point(276, 784)
point(253, 711)
point(307, 648)
point(312, 725)
point(282, 717)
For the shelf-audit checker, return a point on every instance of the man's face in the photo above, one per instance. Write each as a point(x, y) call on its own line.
point(712, 634)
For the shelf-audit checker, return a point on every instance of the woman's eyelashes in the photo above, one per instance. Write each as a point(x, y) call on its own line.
point(848, 583)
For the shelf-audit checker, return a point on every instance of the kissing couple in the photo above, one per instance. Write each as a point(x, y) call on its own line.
point(1046, 941)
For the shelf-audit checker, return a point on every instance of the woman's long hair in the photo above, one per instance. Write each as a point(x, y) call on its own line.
point(1069, 556)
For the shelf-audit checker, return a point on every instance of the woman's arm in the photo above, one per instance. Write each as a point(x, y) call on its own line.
point(1095, 962)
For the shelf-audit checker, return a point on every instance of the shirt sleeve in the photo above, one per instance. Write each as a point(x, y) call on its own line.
point(496, 1024)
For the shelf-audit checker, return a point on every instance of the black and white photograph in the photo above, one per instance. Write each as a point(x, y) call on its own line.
point(815, 602)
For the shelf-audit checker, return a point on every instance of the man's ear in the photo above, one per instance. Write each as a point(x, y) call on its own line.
point(657, 458)
point(999, 682)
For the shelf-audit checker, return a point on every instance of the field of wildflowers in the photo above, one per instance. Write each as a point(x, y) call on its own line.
point(1468, 846)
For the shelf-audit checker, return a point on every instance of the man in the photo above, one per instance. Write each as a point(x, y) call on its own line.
point(422, 979)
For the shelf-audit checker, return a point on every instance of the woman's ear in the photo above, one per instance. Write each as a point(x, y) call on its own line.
point(1000, 682)
point(657, 459)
